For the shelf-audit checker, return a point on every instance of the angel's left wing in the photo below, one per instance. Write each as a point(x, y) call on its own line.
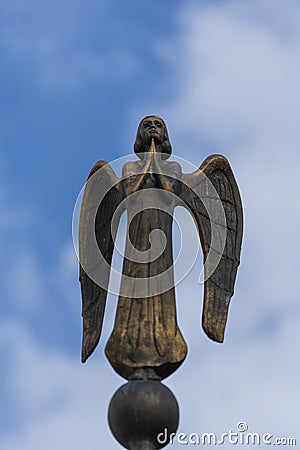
point(212, 195)
point(102, 195)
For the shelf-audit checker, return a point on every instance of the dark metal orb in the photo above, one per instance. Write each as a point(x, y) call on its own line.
point(139, 411)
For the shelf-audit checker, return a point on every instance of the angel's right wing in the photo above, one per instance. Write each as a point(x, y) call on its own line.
point(102, 195)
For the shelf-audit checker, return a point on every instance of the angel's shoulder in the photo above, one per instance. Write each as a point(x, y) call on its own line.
point(175, 165)
point(132, 168)
point(171, 168)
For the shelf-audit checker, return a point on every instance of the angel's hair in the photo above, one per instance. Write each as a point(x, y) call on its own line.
point(141, 147)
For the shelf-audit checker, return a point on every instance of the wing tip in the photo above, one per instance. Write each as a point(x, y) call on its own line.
point(84, 354)
point(216, 334)
point(84, 358)
point(89, 344)
point(215, 338)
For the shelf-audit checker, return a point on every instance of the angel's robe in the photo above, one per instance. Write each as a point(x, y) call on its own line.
point(146, 332)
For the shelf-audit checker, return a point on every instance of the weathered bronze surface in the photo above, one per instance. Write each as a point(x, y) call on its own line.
point(146, 333)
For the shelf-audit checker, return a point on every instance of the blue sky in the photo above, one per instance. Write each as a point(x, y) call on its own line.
point(76, 78)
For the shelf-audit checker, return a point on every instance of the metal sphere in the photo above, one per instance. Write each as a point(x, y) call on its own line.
point(139, 411)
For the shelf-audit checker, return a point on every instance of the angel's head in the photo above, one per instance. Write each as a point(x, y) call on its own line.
point(152, 127)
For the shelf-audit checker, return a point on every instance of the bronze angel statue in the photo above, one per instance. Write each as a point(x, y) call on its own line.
point(145, 332)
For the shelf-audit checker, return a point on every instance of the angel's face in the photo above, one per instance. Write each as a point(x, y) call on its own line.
point(152, 127)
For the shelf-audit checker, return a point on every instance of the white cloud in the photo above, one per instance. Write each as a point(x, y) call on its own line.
point(66, 277)
point(238, 94)
point(50, 399)
point(237, 78)
point(57, 401)
point(252, 376)
point(26, 286)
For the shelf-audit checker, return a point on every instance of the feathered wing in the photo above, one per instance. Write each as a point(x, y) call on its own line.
point(102, 195)
point(212, 195)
